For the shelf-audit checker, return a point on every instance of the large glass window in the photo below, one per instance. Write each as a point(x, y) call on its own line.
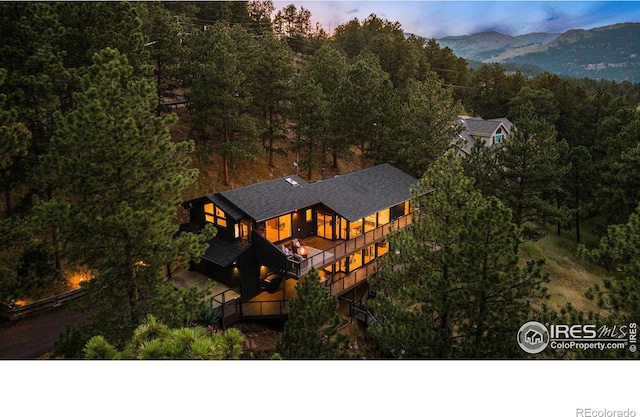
point(383, 217)
point(343, 225)
point(369, 223)
point(213, 214)
point(279, 228)
point(355, 261)
point(355, 228)
point(325, 225)
point(209, 213)
point(369, 254)
point(383, 247)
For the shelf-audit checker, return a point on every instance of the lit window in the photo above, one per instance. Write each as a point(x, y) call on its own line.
point(369, 223)
point(236, 230)
point(383, 217)
point(355, 228)
point(309, 215)
point(208, 213)
point(279, 228)
point(383, 247)
point(369, 254)
point(355, 261)
point(213, 214)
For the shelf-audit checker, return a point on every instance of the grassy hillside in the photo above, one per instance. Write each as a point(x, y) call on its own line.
point(570, 274)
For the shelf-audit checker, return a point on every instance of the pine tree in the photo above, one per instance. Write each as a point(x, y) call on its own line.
point(497, 292)
point(311, 331)
point(619, 253)
point(359, 112)
point(219, 98)
point(311, 117)
point(424, 131)
point(417, 292)
point(155, 340)
point(450, 285)
point(327, 67)
point(529, 173)
point(271, 86)
point(123, 179)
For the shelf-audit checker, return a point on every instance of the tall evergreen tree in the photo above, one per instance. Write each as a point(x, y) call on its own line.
point(619, 253)
point(328, 67)
point(271, 86)
point(163, 41)
point(311, 117)
point(529, 174)
point(311, 331)
point(219, 96)
point(451, 285)
point(423, 130)
point(123, 179)
point(362, 98)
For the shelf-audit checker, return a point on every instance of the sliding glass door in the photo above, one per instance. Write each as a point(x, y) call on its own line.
point(325, 225)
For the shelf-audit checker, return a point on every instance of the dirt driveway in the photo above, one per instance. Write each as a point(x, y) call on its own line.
point(33, 336)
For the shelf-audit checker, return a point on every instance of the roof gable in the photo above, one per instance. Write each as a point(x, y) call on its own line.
point(361, 193)
point(269, 199)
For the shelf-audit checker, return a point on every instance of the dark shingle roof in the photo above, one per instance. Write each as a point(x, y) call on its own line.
point(222, 252)
point(226, 206)
point(481, 127)
point(269, 199)
point(361, 193)
point(353, 196)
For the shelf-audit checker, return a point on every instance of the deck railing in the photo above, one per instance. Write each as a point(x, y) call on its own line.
point(265, 308)
point(299, 266)
point(344, 284)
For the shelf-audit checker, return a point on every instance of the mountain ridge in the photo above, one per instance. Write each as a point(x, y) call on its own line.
point(609, 52)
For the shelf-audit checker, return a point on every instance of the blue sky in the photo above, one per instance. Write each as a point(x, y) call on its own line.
point(435, 19)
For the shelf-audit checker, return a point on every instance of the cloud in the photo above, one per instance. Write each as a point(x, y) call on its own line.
point(452, 18)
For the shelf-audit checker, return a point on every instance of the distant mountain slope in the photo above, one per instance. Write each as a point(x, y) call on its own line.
point(610, 52)
point(494, 46)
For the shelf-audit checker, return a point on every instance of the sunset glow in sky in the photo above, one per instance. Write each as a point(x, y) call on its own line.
point(435, 19)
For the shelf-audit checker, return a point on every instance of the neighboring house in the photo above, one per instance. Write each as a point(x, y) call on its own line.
point(491, 132)
point(271, 233)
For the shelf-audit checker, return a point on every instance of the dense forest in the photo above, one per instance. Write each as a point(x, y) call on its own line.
point(92, 177)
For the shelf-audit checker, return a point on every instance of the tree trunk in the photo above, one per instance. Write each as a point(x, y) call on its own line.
point(158, 89)
point(271, 165)
point(9, 202)
point(578, 215)
point(225, 164)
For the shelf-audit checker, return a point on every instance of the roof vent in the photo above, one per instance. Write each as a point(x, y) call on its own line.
point(291, 181)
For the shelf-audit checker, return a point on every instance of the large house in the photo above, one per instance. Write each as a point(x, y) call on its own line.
point(271, 233)
point(491, 132)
